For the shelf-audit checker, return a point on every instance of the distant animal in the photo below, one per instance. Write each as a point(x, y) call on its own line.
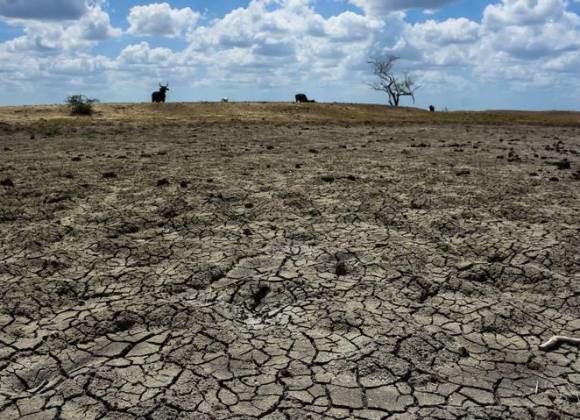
point(431, 108)
point(225, 100)
point(302, 98)
point(160, 95)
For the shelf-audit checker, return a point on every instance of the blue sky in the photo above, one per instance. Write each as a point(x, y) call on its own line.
point(465, 54)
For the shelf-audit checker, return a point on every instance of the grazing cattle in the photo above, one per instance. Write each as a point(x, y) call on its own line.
point(225, 100)
point(302, 98)
point(431, 108)
point(159, 96)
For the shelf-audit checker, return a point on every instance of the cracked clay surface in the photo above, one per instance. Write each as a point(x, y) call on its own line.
point(238, 272)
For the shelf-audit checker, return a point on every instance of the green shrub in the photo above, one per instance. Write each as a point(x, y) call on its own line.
point(81, 105)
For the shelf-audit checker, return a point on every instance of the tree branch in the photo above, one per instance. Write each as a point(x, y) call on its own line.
point(388, 82)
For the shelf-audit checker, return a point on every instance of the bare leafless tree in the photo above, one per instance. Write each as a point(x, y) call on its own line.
point(394, 86)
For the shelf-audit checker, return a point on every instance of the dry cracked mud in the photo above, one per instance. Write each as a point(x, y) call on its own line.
point(289, 272)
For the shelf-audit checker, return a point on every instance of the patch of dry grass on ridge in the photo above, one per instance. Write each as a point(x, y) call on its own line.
point(274, 113)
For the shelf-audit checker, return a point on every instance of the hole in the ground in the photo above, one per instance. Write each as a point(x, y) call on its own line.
point(259, 296)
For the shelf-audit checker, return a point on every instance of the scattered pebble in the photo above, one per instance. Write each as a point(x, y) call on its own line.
point(53, 199)
point(462, 351)
point(513, 156)
point(7, 182)
point(418, 203)
point(564, 164)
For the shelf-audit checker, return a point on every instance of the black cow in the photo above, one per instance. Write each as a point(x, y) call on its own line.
point(302, 98)
point(431, 108)
point(160, 95)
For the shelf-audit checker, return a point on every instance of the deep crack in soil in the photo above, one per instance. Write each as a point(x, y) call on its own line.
point(289, 272)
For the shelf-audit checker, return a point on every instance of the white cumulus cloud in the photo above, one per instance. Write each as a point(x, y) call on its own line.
point(160, 19)
point(50, 36)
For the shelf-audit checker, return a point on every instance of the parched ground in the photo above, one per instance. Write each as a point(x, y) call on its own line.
point(287, 265)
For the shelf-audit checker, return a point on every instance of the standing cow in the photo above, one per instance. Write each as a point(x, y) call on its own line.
point(302, 98)
point(159, 96)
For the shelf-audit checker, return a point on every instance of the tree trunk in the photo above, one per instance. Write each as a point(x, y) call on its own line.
point(392, 98)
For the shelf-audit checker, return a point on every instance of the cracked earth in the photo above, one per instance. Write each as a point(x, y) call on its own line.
point(289, 272)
